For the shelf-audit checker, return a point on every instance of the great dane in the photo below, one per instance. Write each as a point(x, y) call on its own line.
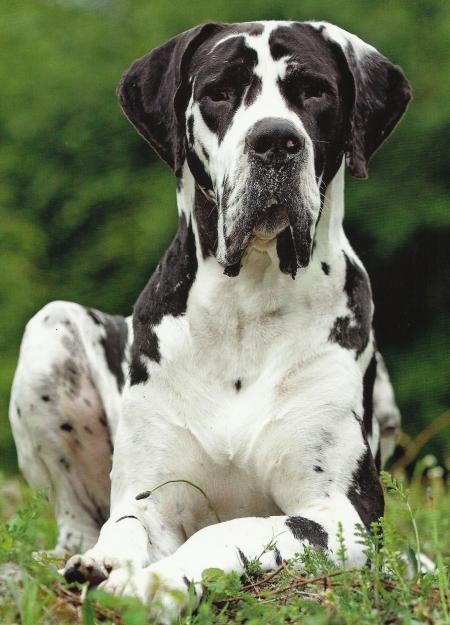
point(246, 403)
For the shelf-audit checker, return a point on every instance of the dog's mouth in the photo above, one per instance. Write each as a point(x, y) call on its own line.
point(274, 218)
point(271, 210)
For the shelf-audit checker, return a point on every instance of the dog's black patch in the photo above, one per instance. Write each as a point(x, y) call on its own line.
point(45, 397)
point(232, 270)
point(114, 342)
point(94, 315)
point(198, 170)
point(286, 253)
point(378, 459)
point(305, 529)
point(222, 78)
point(166, 293)
point(365, 492)
point(67, 427)
point(317, 468)
point(243, 558)
point(138, 371)
point(190, 130)
point(278, 558)
point(254, 89)
point(368, 385)
point(206, 216)
point(325, 268)
point(238, 385)
point(353, 331)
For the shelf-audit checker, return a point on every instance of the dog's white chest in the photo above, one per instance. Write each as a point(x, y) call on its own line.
point(241, 396)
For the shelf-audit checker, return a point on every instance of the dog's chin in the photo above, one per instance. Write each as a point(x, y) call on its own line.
point(263, 240)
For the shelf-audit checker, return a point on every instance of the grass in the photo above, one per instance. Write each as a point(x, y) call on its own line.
point(417, 520)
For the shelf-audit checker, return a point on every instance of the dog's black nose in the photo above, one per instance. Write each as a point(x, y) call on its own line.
point(274, 139)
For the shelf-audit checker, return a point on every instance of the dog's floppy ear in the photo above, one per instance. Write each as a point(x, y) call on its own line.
point(381, 92)
point(154, 93)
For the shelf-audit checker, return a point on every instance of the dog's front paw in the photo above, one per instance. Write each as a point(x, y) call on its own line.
point(164, 583)
point(92, 567)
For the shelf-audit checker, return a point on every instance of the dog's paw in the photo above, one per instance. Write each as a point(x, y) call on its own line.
point(164, 583)
point(90, 567)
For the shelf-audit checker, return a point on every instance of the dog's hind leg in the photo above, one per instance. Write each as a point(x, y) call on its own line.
point(385, 410)
point(65, 403)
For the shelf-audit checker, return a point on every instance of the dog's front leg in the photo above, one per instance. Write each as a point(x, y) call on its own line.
point(124, 544)
point(123, 541)
point(231, 545)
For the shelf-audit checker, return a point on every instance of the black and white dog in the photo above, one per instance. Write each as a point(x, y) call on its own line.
point(264, 391)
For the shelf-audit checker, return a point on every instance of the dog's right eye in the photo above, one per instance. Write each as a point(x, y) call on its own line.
point(219, 95)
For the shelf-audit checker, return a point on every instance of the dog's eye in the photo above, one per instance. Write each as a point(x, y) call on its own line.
point(219, 95)
point(311, 91)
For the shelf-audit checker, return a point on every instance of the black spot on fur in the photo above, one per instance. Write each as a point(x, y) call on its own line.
point(114, 342)
point(278, 558)
point(232, 270)
point(45, 398)
point(318, 469)
point(368, 385)
point(378, 459)
point(365, 492)
point(166, 293)
point(243, 558)
point(138, 371)
point(94, 315)
point(325, 268)
point(253, 29)
point(305, 529)
point(189, 583)
point(206, 216)
point(253, 90)
point(198, 171)
point(67, 427)
point(286, 253)
point(238, 385)
point(353, 330)
point(190, 130)
point(19, 414)
point(358, 418)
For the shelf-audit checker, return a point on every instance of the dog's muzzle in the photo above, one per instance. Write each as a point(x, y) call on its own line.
point(273, 200)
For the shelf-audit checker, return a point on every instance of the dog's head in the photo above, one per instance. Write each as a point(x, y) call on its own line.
point(262, 114)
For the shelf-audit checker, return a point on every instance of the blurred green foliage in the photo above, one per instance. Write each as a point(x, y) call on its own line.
point(86, 209)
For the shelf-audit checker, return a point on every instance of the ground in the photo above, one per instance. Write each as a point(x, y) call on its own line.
point(417, 519)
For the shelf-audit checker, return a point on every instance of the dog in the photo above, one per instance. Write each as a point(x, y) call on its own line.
point(246, 402)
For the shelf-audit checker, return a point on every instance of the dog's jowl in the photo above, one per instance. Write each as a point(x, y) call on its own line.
point(249, 368)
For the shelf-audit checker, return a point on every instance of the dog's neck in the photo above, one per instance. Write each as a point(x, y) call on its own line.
point(198, 210)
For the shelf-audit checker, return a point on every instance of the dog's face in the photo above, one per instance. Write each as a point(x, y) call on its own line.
point(262, 114)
